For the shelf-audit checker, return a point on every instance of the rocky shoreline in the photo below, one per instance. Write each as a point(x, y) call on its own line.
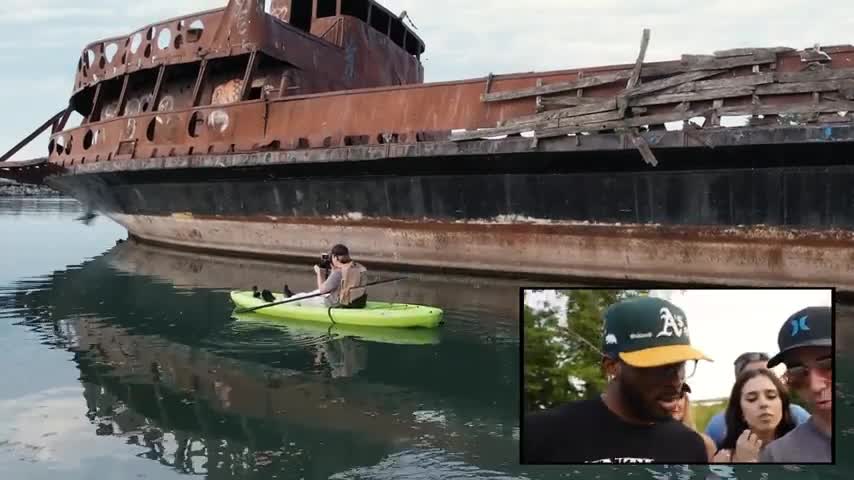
point(12, 189)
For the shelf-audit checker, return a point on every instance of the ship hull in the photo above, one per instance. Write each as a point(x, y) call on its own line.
point(770, 214)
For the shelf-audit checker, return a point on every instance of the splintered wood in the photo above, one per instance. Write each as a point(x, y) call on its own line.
point(696, 86)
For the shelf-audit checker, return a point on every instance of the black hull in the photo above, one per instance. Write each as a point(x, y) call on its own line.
point(746, 215)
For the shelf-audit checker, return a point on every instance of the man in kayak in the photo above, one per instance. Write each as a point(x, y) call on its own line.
point(647, 356)
point(342, 286)
point(806, 347)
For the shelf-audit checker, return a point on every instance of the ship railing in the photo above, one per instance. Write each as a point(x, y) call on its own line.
point(169, 41)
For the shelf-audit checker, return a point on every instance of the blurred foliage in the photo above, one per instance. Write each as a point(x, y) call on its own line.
point(562, 358)
point(704, 413)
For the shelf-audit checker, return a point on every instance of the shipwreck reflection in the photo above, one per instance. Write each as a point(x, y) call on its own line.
point(166, 366)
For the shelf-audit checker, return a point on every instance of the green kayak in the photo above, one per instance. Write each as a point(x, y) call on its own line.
point(311, 330)
point(375, 314)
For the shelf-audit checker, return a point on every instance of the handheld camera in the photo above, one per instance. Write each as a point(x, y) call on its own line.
point(325, 261)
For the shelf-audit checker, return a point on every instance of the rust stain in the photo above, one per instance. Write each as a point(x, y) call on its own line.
point(753, 234)
point(276, 81)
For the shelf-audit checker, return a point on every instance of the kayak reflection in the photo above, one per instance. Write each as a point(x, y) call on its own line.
point(308, 330)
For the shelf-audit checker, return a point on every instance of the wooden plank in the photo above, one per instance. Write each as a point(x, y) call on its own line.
point(566, 117)
point(647, 70)
point(665, 98)
point(558, 87)
point(738, 52)
point(643, 147)
point(689, 59)
point(787, 109)
point(488, 83)
point(592, 118)
point(719, 83)
point(636, 70)
point(815, 76)
point(731, 62)
point(657, 85)
point(623, 99)
point(582, 112)
point(603, 105)
point(488, 132)
point(804, 87)
point(622, 123)
point(536, 122)
point(660, 69)
point(564, 101)
point(715, 118)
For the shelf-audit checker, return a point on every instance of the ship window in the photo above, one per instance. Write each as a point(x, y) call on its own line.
point(194, 33)
point(326, 8)
point(397, 32)
point(301, 14)
point(379, 20)
point(355, 8)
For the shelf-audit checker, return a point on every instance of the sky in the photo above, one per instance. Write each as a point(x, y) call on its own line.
point(41, 40)
point(723, 324)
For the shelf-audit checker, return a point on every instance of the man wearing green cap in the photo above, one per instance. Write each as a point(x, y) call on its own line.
point(647, 355)
point(806, 347)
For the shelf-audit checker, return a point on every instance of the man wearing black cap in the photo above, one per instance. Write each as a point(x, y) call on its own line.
point(647, 357)
point(806, 347)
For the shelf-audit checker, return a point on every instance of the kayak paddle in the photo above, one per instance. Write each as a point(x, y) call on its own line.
point(289, 300)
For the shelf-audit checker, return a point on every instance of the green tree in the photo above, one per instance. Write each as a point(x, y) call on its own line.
point(547, 381)
point(563, 360)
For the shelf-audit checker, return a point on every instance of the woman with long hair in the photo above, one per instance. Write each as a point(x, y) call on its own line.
point(758, 413)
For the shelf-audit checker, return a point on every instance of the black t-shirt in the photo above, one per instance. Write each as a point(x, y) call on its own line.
point(587, 432)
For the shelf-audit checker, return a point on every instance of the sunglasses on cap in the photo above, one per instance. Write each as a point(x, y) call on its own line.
point(747, 358)
point(797, 375)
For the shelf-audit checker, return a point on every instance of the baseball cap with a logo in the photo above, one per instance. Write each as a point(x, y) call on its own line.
point(648, 332)
point(809, 327)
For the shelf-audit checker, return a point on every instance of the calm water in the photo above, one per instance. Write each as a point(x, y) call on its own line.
point(122, 361)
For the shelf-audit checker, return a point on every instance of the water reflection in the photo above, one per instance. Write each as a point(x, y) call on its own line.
point(165, 367)
point(170, 384)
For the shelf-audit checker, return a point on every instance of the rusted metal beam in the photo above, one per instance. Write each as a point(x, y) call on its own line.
point(488, 149)
point(59, 125)
point(123, 96)
point(29, 138)
point(251, 65)
point(158, 84)
point(200, 78)
point(95, 105)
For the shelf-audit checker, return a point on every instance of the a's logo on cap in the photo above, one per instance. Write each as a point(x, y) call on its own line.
point(671, 325)
point(610, 339)
point(799, 325)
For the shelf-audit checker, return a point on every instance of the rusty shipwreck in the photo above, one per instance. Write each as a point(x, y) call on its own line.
point(278, 132)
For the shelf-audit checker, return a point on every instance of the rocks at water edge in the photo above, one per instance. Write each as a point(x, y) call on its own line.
point(9, 188)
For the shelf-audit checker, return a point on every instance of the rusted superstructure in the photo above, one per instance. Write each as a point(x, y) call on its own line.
point(277, 133)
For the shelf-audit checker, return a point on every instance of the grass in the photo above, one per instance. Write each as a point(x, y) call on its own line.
point(703, 413)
